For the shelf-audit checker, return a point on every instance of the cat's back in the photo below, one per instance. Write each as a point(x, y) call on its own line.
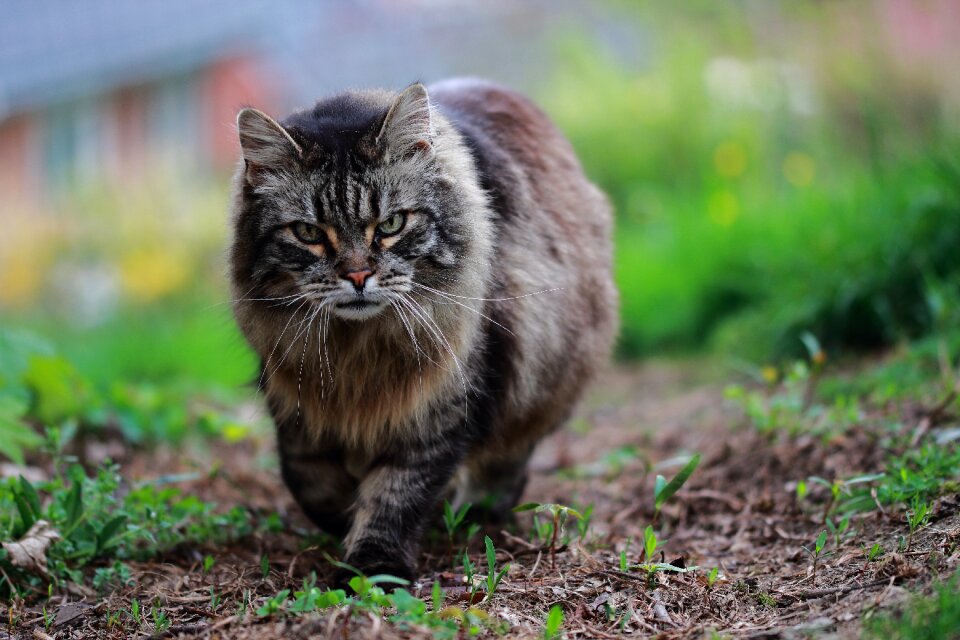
point(530, 172)
point(553, 253)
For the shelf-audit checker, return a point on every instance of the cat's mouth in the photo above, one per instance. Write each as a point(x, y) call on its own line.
point(359, 308)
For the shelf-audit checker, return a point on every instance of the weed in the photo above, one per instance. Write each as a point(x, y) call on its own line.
point(274, 604)
point(817, 551)
point(135, 613)
point(838, 529)
point(664, 490)
point(553, 623)
point(493, 576)
point(712, 577)
point(559, 514)
point(923, 618)
point(916, 517)
point(160, 619)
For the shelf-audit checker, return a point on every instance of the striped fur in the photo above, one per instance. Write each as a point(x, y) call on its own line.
point(477, 325)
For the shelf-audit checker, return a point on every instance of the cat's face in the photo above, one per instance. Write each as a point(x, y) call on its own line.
point(350, 221)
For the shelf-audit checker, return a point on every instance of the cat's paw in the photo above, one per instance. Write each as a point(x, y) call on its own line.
point(374, 565)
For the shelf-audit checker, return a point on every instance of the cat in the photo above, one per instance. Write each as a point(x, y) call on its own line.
point(426, 277)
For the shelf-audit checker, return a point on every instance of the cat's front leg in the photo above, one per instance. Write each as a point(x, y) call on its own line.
point(395, 501)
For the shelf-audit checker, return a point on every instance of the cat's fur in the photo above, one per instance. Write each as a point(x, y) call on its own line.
point(383, 410)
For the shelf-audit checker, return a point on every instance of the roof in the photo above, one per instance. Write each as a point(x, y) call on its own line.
point(58, 50)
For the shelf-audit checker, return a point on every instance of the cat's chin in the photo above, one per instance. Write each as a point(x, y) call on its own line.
point(358, 310)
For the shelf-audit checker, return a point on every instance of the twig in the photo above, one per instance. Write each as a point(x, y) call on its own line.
point(820, 593)
point(177, 629)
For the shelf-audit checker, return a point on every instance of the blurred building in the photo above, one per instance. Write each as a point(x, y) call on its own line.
point(111, 91)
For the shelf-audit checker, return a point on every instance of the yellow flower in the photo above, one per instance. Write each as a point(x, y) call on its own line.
point(148, 274)
point(770, 374)
point(21, 274)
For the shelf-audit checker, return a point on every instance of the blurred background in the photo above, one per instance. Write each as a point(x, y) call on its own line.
point(776, 167)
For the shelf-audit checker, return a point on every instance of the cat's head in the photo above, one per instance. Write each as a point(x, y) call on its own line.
point(352, 205)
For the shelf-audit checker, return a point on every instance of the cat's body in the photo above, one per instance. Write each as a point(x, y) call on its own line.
point(433, 357)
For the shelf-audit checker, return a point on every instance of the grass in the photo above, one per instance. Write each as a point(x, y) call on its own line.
point(934, 617)
point(739, 226)
point(76, 519)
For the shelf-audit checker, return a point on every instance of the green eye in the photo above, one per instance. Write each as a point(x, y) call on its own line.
point(392, 225)
point(307, 233)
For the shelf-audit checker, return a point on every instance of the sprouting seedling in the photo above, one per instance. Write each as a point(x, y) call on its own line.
point(874, 552)
point(624, 564)
point(559, 514)
point(583, 524)
point(817, 551)
point(493, 576)
point(839, 529)
point(663, 490)
point(551, 628)
point(801, 490)
point(452, 520)
point(712, 577)
point(649, 544)
point(916, 517)
point(469, 568)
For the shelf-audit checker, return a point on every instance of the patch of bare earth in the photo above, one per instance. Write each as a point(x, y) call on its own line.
point(738, 512)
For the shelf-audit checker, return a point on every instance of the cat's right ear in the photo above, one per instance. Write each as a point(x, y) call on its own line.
point(265, 144)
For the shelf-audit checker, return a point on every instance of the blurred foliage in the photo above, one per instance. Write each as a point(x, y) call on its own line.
point(776, 168)
point(39, 389)
point(96, 517)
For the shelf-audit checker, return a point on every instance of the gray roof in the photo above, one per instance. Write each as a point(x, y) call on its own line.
point(59, 50)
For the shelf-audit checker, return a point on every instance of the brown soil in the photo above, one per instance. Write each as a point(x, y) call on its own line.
point(738, 512)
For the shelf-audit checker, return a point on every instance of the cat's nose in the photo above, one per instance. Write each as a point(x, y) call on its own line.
point(358, 278)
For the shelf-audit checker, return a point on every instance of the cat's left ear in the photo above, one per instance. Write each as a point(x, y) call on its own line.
point(265, 144)
point(407, 129)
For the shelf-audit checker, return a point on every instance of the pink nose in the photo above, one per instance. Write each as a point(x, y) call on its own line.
point(358, 278)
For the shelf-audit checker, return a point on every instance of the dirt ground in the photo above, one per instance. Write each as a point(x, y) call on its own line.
point(739, 512)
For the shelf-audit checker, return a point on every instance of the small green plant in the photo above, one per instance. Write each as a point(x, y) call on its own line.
point(712, 577)
point(916, 516)
point(559, 514)
point(923, 617)
point(624, 563)
point(663, 490)
point(838, 529)
point(135, 614)
point(274, 604)
point(161, 621)
point(208, 562)
point(493, 576)
point(452, 520)
point(874, 552)
point(553, 623)
point(817, 552)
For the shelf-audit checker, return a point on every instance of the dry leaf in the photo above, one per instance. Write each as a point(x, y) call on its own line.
point(30, 551)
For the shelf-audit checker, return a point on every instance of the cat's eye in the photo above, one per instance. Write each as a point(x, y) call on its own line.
point(306, 232)
point(392, 225)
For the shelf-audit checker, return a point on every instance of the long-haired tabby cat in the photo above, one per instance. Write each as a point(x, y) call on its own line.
point(427, 280)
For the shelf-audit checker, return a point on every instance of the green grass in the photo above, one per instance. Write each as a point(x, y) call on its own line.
point(96, 519)
point(934, 617)
point(739, 228)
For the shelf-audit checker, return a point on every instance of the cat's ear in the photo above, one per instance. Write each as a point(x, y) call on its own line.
point(265, 144)
point(407, 129)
